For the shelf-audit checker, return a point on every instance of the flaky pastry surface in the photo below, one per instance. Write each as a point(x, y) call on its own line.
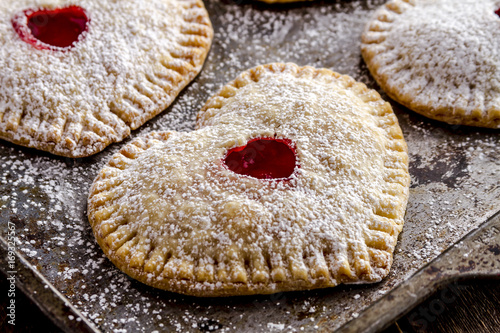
point(130, 64)
point(438, 58)
point(168, 212)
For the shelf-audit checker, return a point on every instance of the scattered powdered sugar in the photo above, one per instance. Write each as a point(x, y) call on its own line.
point(454, 187)
point(275, 327)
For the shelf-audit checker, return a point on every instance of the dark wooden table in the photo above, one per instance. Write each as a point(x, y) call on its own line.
point(470, 306)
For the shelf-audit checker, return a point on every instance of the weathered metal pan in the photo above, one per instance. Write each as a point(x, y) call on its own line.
point(455, 189)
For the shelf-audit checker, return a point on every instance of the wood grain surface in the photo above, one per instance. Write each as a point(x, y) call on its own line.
point(468, 306)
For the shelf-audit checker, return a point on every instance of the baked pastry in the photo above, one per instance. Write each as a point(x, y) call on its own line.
point(297, 178)
point(75, 78)
point(438, 58)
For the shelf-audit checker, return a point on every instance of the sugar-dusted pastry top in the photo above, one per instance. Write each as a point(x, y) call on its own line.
point(169, 211)
point(438, 58)
point(128, 65)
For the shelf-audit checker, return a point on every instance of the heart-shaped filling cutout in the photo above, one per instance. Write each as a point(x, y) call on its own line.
point(45, 29)
point(263, 158)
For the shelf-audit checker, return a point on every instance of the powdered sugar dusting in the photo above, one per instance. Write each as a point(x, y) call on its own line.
point(119, 74)
point(454, 171)
point(439, 58)
point(175, 217)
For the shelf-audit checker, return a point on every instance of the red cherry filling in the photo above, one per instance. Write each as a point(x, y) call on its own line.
point(59, 27)
point(497, 11)
point(264, 158)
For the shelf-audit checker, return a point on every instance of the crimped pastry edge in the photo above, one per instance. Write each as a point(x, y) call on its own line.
point(382, 259)
point(489, 118)
point(96, 136)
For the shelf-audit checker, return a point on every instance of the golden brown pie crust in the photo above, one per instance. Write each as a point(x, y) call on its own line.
point(438, 58)
point(132, 62)
point(167, 212)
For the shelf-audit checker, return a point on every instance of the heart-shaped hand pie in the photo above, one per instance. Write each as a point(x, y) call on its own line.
point(297, 178)
point(438, 58)
point(75, 78)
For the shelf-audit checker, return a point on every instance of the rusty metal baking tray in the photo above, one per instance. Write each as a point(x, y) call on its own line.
point(455, 189)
